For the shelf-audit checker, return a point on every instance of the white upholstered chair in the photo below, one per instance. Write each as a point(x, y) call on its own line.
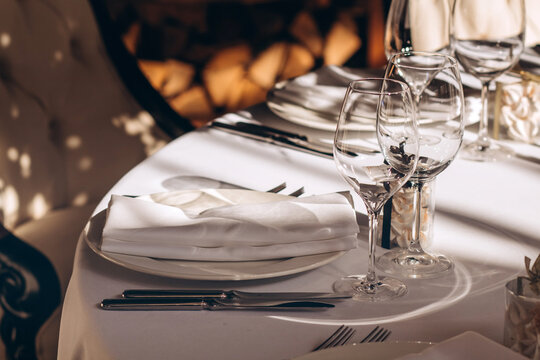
point(69, 128)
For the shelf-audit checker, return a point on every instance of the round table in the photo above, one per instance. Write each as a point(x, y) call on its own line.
point(486, 219)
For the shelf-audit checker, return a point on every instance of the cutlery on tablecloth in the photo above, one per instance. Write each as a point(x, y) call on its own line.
point(232, 295)
point(378, 334)
point(208, 304)
point(527, 158)
point(338, 338)
point(282, 138)
point(274, 138)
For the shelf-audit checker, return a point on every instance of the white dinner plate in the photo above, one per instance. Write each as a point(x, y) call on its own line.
point(367, 351)
point(207, 270)
point(314, 100)
point(304, 116)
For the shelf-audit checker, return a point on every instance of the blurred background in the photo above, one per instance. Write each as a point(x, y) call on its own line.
point(210, 57)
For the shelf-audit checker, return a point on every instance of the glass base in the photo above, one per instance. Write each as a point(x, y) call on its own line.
point(411, 265)
point(486, 151)
point(385, 288)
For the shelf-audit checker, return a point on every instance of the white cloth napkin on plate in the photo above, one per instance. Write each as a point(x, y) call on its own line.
point(228, 225)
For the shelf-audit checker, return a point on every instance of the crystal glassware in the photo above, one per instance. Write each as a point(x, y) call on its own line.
point(487, 41)
point(520, 319)
point(387, 107)
point(414, 25)
point(436, 87)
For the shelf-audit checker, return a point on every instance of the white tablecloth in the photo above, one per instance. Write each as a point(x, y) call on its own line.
point(487, 219)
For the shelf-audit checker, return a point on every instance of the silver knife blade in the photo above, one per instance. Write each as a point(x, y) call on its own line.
point(289, 139)
point(231, 295)
point(148, 304)
point(263, 128)
point(274, 138)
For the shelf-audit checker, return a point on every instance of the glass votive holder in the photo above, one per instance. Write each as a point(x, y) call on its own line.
point(517, 109)
point(399, 214)
point(522, 318)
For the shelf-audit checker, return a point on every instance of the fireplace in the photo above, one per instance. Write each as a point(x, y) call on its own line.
point(206, 58)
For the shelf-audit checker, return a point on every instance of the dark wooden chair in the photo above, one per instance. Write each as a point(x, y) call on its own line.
point(29, 294)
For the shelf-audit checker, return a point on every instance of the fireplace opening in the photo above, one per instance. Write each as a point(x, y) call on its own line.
point(206, 58)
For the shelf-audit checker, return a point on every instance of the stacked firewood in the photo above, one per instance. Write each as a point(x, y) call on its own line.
point(210, 58)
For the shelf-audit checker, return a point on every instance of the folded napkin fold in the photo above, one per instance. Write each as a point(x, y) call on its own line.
point(228, 225)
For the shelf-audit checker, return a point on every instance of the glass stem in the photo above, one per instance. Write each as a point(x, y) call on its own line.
point(483, 138)
point(417, 101)
point(414, 245)
point(371, 277)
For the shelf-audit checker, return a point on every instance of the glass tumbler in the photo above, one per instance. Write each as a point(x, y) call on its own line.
point(522, 318)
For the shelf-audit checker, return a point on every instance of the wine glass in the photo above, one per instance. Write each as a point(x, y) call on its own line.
point(414, 25)
point(436, 87)
point(387, 106)
point(487, 41)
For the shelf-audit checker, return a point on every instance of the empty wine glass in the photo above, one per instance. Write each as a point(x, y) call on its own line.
point(436, 87)
point(415, 25)
point(487, 40)
point(387, 106)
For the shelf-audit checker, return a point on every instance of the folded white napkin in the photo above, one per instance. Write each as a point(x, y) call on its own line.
point(228, 225)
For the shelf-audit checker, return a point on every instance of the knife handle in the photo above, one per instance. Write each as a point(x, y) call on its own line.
point(154, 304)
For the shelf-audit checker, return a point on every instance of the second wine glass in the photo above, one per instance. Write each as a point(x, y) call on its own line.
point(487, 42)
point(436, 86)
point(386, 106)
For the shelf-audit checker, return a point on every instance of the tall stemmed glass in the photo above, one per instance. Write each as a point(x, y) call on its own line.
point(435, 83)
point(487, 42)
point(415, 25)
point(375, 176)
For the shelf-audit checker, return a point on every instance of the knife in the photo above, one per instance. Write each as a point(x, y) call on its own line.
point(233, 295)
point(527, 158)
point(263, 129)
point(207, 304)
point(294, 143)
point(258, 128)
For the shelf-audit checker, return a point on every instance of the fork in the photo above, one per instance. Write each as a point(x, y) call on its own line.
point(278, 188)
point(298, 192)
point(344, 333)
point(282, 186)
point(340, 337)
point(378, 334)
